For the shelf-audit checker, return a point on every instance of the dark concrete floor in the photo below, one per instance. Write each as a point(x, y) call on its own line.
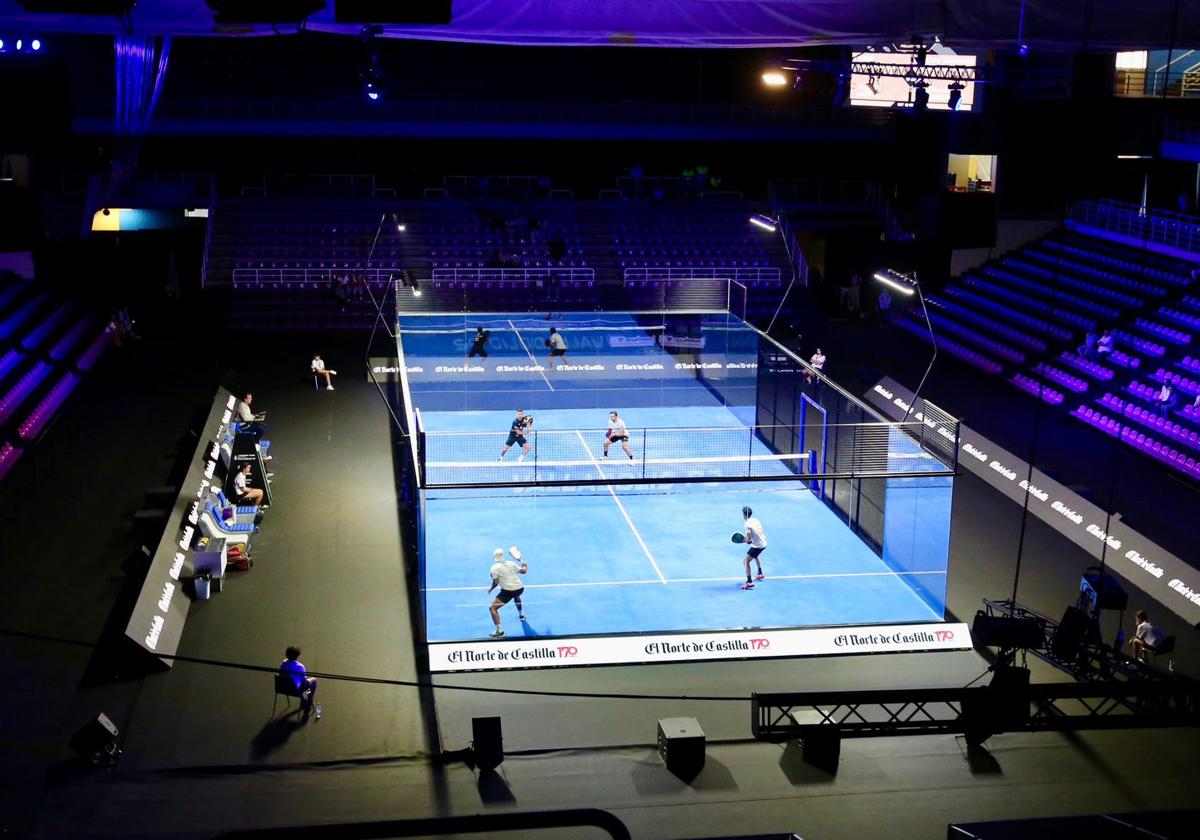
point(201, 760)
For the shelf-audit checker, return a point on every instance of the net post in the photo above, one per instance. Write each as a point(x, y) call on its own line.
point(750, 452)
point(644, 451)
point(536, 435)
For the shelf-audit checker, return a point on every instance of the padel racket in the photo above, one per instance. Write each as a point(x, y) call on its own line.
point(738, 538)
point(515, 553)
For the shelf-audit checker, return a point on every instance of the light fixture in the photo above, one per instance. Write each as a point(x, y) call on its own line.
point(19, 45)
point(921, 95)
point(1, 45)
point(765, 222)
point(906, 284)
point(956, 92)
point(415, 286)
point(901, 283)
point(774, 78)
point(35, 45)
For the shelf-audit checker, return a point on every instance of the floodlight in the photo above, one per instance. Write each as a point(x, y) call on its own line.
point(896, 281)
point(921, 95)
point(774, 78)
point(906, 284)
point(35, 45)
point(765, 222)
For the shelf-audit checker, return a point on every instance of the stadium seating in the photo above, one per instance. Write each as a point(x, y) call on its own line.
point(1027, 313)
point(40, 364)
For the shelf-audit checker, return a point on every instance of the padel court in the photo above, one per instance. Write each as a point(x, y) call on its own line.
point(620, 545)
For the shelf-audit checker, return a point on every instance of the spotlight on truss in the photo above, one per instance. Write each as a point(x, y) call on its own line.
point(774, 78)
point(956, 92)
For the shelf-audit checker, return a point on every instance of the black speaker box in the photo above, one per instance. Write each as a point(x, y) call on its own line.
point(1071, 633)
point(1005, 632)
point(94, 736)
point(681, 745)
point(487, 742)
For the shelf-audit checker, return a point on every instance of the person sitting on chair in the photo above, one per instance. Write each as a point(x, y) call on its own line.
point(1105, 345)
point(243, 494)
point(306, 686)
point(251, 422)
point(1147, 636)
point(1166, 399)
point(319, 369)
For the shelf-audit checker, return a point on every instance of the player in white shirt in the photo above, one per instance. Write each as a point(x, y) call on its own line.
point(756, 541)
point(617, 431)
point(558, 348)
point(506, 575)
point(318, 367)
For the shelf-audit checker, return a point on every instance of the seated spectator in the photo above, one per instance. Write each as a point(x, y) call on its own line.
point(1088, 348)
point(818, 364)
point(249, 421)
point(319, 369)
point(1106, 345)
point(1196, 403)
point(243, 493)
point(1147, 637)
point(305, 685)
point(1166, 399)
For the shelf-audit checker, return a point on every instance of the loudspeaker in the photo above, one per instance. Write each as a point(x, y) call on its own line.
point(1072, 631)
point(95, 739)
point(487, 742)
point(1005, 632)
point(681, 745)
point(1002, 704)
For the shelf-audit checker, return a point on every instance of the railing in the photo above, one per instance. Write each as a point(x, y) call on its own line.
point(822, 191)
point(299, 278)
point(1162, 227)
point(641, 113)
point(1183, 132)
point(513, 275)
point(770, 275)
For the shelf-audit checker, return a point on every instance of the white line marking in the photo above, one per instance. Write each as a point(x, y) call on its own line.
point(621, 508)
point(530, 355)
point(691, 580)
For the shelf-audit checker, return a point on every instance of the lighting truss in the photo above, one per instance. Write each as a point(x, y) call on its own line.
point(943, 72)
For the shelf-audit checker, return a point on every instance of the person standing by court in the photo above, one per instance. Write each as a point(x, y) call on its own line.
point(617, 432)
point(506, 574)
point(479, 343)
point(756, 542)
point(558, 347)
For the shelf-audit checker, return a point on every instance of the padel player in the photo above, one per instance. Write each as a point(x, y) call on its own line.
point(617, 433)
point(479, 343)
point(516, 435)
point(506, 575)
point(756, 540)
point(558, 347)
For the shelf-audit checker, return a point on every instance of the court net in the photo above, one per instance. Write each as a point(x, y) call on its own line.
point(542, 457)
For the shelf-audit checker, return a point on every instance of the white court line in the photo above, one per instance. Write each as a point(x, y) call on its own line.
point(621, 508)
point(692, 580)
point(530, 355)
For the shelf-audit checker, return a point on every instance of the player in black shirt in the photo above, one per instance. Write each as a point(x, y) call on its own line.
point(516, 435)
point(479, 343)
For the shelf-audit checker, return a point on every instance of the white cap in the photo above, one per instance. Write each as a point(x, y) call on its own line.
point(498, 553)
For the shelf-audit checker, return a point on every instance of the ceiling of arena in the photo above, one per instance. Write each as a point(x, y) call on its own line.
point(1060, 25)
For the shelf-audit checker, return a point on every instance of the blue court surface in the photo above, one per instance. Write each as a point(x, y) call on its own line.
point(647, 557)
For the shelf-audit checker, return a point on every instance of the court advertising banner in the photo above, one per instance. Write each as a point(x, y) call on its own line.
point(513, 653)
point(1169, 580)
